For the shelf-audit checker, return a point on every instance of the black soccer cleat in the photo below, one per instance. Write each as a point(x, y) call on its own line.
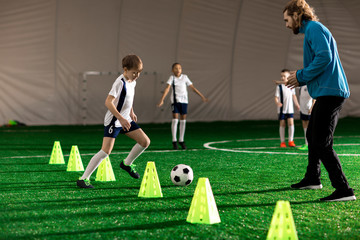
point(175, 146)
point(130, 169)
point(306, 184)
point(183, 146)
point(340, 195)
point(84, 183)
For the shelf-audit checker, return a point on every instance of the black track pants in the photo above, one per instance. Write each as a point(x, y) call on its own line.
point(320, 134)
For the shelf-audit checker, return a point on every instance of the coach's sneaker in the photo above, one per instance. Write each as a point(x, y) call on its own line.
point(283, 145)
point(175, 146)
point(340, 195)
point(304, 147)
point(305, 184)
point(182, 144)
point(84, 183)
point(130, 169)
point(292, 144)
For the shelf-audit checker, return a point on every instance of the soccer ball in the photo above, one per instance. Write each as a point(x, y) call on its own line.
point(182, 175)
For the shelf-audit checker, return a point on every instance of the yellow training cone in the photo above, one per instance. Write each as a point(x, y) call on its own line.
point(105, 171)
point(75, 163)
point(150, 184)
point(282, 224)
point(57, 156)
point(203, 207)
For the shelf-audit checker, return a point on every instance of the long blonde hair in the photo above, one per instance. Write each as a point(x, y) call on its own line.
point(302, 8)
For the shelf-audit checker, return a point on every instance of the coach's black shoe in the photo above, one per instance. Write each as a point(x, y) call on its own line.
point(340, 195)
point(84, 183)
point(175, 146)
point(306, 184)
point(130, 169)
point(182, 144)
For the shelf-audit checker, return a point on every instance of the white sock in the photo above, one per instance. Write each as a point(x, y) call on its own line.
point(94, 163)
point(136, 151)
point(182, 130)
point(174, 124)
point(291, 130)
point(282, 134)
point(306, 142)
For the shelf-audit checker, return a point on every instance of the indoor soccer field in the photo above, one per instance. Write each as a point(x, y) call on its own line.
point(247, 171)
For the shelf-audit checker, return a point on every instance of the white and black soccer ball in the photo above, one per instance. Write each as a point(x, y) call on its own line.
point(182, 175)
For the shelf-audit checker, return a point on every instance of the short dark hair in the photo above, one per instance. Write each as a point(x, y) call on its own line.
point(285, 70)
point(132, 62)
point(174, 64)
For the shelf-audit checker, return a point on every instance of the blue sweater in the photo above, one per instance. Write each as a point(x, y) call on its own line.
point(323, 73)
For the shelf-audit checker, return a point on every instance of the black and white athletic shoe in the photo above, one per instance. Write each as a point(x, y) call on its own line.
point(305, 184)
point(340, 195)
point(175, 146)
point(130, 169)
point(182, 144)
point(84, 183)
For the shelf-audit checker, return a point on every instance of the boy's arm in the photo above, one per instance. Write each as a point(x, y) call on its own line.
point(109, 103)
point(132, 115)
point(166, 91)
point(204, 99)
point(312, 105)
point(296, 102)
point(277, 102)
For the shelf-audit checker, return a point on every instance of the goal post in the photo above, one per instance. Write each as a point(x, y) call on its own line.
point(95, 85)
point(90, 82)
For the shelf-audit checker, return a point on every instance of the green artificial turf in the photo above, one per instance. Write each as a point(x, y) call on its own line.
point(248, 176)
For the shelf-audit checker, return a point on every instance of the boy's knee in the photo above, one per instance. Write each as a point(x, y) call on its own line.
point(145, 143)
point(106, 151)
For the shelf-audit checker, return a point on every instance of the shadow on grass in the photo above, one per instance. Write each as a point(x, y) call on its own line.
point(23, 164)
point(225, 206)
point(255, 191)
point(263, 204)
point(43, 171)
point(78, 198)
point(71, 186)
point(83, 211)
point(88, 202)
point(31, 183)
point(150, 226)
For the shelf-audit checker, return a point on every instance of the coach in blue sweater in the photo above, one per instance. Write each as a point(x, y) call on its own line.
point(326, 81)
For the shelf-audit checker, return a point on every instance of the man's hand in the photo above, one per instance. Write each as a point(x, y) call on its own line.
point(279, 82)
point(292, 80)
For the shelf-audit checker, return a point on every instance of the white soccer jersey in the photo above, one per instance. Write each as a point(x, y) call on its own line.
point(286, 98)
point(305, 100)
point(123, 100)
point(181, 83)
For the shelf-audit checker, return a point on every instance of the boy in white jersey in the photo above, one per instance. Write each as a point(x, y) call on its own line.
point(284, 100)
point(306, 104)
point(120, 118)
point(179, 102)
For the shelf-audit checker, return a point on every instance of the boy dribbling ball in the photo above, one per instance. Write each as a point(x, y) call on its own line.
point(120, 118)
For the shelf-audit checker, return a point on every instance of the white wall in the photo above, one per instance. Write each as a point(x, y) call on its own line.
point(231, 50)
